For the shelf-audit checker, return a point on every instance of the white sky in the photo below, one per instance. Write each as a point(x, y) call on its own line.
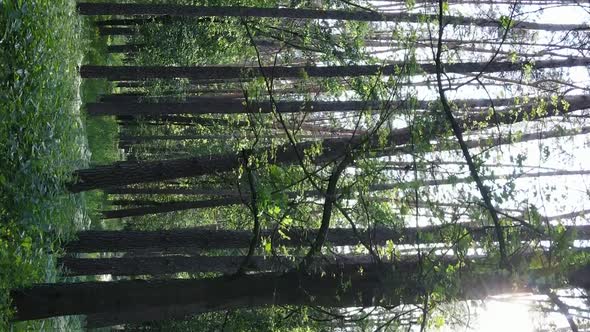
point(570, 193)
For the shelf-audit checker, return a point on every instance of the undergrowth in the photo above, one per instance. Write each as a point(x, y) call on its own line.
point(42, 140)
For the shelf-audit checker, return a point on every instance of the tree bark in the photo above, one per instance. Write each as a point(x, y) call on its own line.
point(124, 173)
point(169, 191)
point(130, 266)
point(207, 105)
point(165, 207)
point(130, 140)
point(159, 265)
point(116, 31)
point(201, 295)
point(131, 73)
point(129, 172)
point(581, 278)
point(220, 105)
point(340, 288)
point(163, 240)
point(124, 48)
point(238, 11)
point(125, 21)
point(160, 119)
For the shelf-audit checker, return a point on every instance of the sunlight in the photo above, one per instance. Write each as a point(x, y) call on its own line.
point(505, 315)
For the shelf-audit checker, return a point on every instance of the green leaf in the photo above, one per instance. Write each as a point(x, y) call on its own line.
point(283, 235)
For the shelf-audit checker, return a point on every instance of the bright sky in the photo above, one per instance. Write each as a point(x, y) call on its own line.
point(571, 193)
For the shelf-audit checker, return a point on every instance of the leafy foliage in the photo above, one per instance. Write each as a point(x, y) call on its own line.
point(42, 141)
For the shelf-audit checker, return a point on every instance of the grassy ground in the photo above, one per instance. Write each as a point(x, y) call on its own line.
point(42, 140)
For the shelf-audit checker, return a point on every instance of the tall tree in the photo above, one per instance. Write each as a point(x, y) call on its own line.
point(216, 105)
point(114, 241)
point(163, 207)
point(185, 296)
point(160, 265)
point(237, 11)
point(171, 206)
point(137, 172)
point(121, 73)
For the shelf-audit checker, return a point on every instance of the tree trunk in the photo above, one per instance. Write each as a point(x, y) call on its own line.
point(169, 206)
point(129, 266)
point(165, 207)
point(124, 173)
point(130, 140)
point(125, 97)
point(125, 21)
point(124, 73)
point(159, 265)
point(581, 278)
point(125, 48)
point(338, 288)
point(163, 240)
point(180, 120)
point(200, 89)
point(208, 105)
point(238, 11)
point(169, 191)
point(201, 295)
point(118, 31)
point(369, 292)
point(132, 84)
point(134, 202)
point(220, 105)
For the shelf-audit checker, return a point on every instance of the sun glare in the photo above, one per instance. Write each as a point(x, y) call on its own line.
point(504, 315)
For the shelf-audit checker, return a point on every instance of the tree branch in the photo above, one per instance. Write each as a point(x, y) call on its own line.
point(254, 208)
point(457, 131)
point(563, 309)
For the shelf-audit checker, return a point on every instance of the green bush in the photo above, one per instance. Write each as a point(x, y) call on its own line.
point(41, 138)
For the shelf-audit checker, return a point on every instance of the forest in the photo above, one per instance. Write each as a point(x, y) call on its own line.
point(301, 165)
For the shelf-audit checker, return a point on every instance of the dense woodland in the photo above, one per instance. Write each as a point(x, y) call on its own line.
point(300, 165)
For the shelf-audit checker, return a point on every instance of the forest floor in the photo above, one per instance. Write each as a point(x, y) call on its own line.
point(44, 136)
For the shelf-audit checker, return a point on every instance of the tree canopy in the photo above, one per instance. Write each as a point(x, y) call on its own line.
point(338, 165)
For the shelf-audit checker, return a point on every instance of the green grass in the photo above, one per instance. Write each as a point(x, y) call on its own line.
point(42, 140)
point(102, 132)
